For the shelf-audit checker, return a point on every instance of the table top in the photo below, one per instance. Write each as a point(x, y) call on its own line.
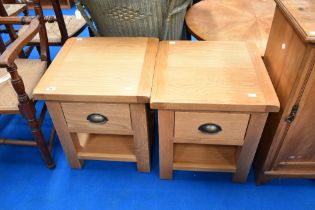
point(302, 15)
point(212, 75)
point(232, 20)
point(101, 70)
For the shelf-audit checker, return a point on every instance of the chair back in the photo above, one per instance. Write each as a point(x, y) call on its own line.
point(20, 42)
point(57, 11)
point(9, 28)
point(154, 18)
point(59, 16)
point(8, 57)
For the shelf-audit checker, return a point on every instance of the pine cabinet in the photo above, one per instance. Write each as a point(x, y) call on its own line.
point(287, 148)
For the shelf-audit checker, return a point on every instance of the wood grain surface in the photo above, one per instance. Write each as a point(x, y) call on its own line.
point(246, 154)
point(225, 76)
point(101, 69)
point(118, 115)
point(301, 14)
point(64, 135)
point(142, 145)
point(287, 148)
point(166, 149)
point(233, 127)
point(232, 20)
point(204, 158)
point(105, 147)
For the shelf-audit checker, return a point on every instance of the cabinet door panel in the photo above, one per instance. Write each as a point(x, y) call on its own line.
point(283, 62)
point(298, 150)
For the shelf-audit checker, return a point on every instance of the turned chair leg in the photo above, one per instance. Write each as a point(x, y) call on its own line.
point(27, 109)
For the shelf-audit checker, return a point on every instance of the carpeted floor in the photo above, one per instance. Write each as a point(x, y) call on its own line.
point(25, 182)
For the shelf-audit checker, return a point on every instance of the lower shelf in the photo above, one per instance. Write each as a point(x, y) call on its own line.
point(196, 157)
point(104, 147)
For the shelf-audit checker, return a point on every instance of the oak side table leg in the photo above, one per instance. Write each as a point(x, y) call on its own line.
point(141, 136)
point(63, 133)
point(166, 127)
point(253, 134)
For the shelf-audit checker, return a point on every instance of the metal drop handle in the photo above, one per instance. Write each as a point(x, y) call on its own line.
point(210, 128)
point(97, 119)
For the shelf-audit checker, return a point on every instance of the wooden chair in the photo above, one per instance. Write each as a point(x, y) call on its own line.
point(15, 9)
point(59, 28)
point(12, 10)
point(16, 96)
point(154, 18)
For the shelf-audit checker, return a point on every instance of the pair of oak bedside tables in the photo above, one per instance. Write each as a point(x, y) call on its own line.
point(213, 99)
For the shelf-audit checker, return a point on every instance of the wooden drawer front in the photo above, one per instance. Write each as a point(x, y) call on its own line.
point(118, 115)
point(233, 128)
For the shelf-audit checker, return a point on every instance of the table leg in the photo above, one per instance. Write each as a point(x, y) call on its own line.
point(255, 128)
point(64, 135)
point(166, 127)
point(141, 136)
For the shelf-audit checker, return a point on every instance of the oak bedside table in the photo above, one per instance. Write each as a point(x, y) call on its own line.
point(97, 91)
point(213, 99)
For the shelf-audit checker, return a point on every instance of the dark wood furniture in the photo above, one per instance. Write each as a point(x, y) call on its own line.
point(213, 99)
point(287, 148)
point(46, 3)
point(232, 20)
point(58, 28)
point(63, 4)
point(13, 10)
point(19, 77)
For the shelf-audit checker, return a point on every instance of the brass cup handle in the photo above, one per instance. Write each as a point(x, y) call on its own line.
point(210, 128)
point(97, 119)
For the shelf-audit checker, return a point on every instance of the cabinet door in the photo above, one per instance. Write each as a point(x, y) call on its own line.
point(298, 149)
point(285, 62)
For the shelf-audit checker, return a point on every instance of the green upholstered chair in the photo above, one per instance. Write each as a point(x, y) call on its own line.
point(147, 18)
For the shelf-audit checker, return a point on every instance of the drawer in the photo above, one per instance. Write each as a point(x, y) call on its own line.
point(210, 128)
point(98, 118)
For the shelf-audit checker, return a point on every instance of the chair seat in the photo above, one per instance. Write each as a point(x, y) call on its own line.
point(31, 71)
point(14, 9)
point(73, 26)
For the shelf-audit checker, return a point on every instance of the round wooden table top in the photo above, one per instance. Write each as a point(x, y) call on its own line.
point(232, 20)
